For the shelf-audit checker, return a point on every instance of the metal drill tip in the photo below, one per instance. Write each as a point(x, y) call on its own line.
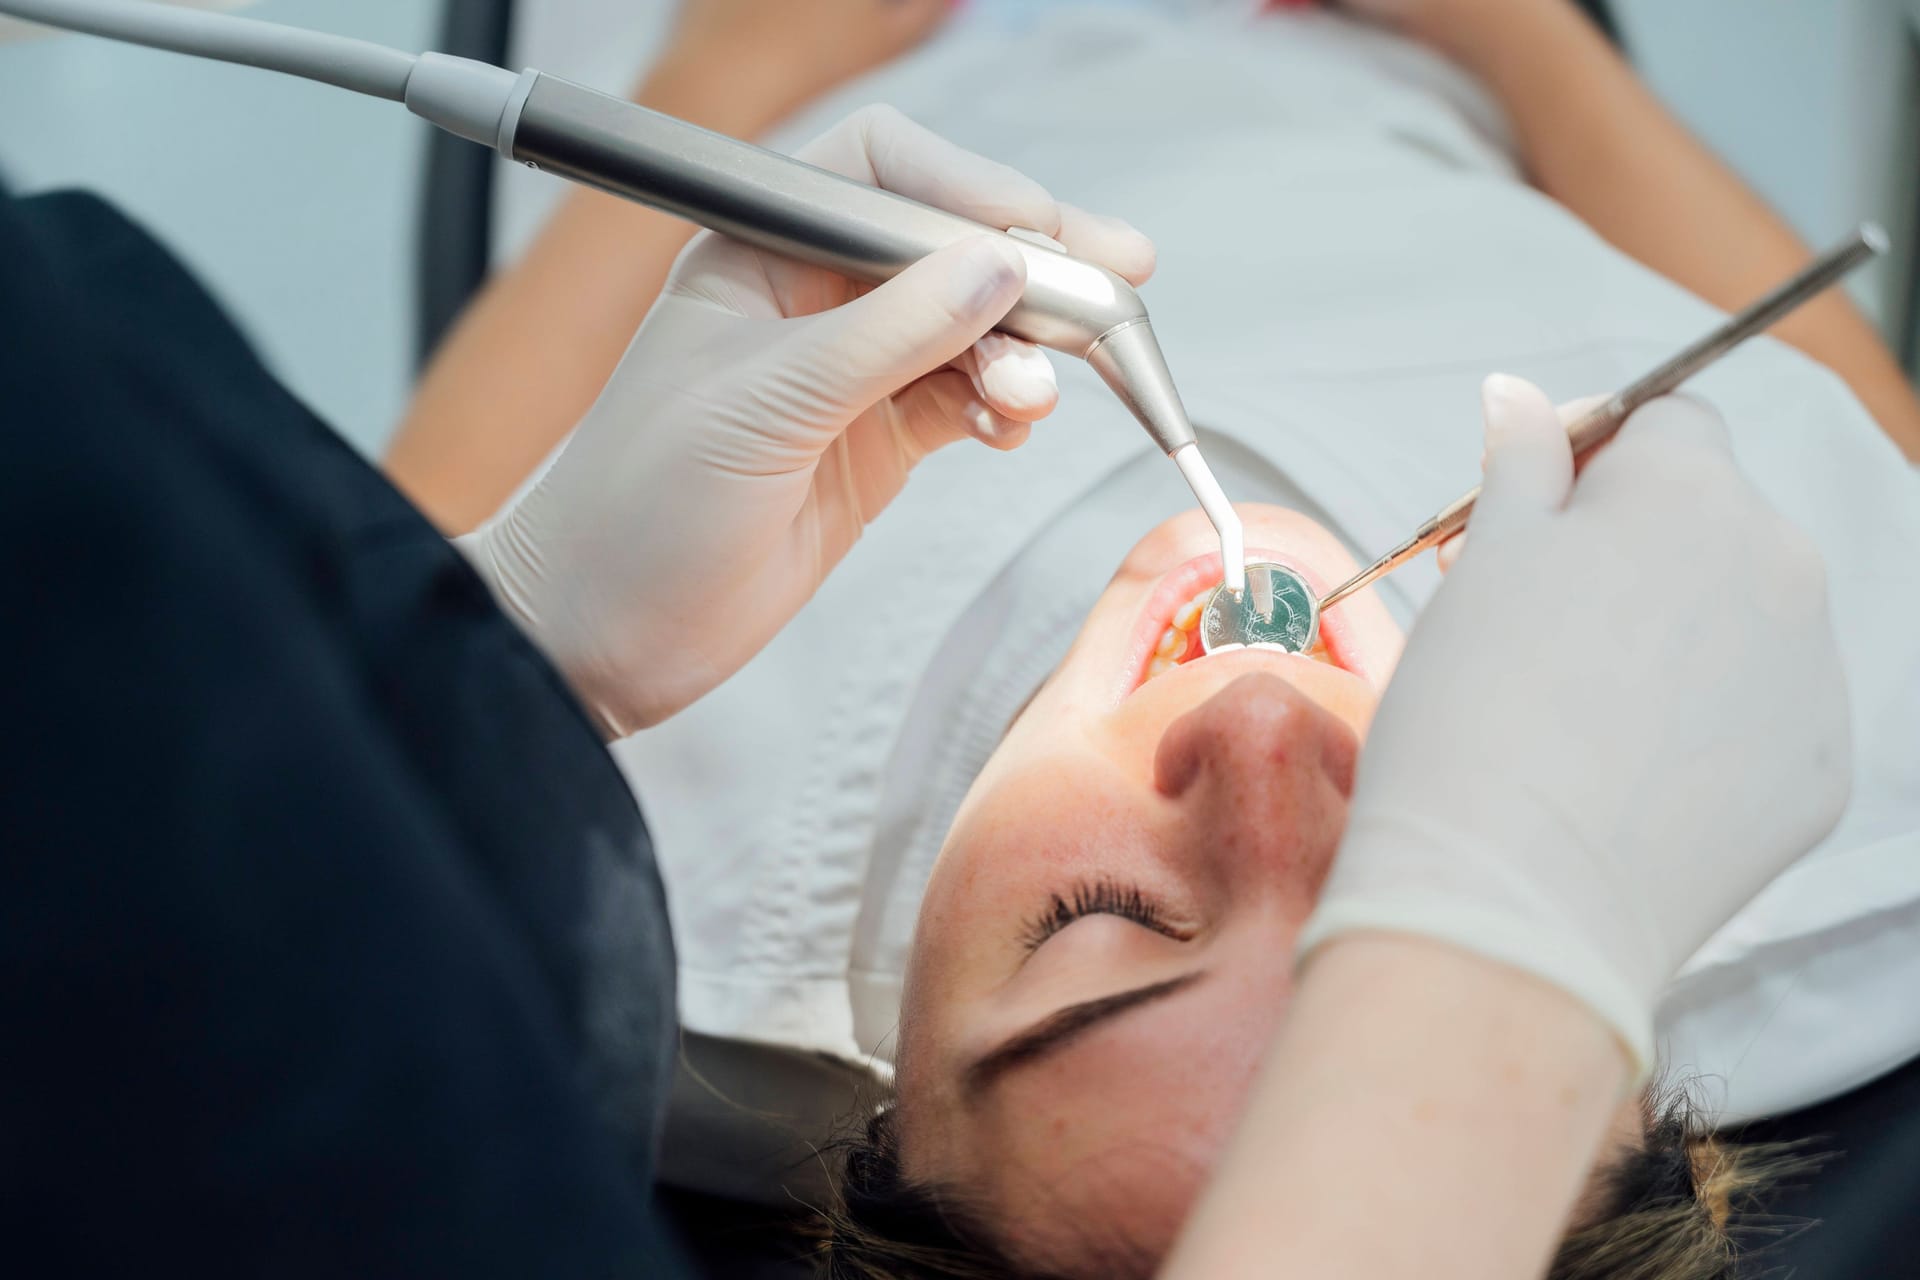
point(1226, 521)
point(1260, 585)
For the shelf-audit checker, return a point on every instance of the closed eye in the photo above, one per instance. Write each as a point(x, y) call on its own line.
point(1093, 898)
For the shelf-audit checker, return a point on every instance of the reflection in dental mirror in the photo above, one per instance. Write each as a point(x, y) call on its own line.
point(1233, 619)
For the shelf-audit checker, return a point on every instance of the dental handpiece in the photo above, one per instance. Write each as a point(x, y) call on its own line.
point(793, 209)
point(1599, 424)
point(743, 191)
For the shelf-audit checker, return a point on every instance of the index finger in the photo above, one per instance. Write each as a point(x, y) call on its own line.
point(881, 147)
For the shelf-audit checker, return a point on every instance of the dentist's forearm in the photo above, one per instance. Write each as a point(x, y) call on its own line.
point(1594, 138)
point(1424, 1113)
point(529, 356)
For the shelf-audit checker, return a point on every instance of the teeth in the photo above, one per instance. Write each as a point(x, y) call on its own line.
point(1188, 616)
point(1180, 642)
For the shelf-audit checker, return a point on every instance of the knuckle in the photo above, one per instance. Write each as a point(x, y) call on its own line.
point(1040, 213)
point(882, 132)
point(1649, 466)
point(878, 117)
point(1702, 409)
point(1653, 417)
point(1695, 464)
point(1680, 418)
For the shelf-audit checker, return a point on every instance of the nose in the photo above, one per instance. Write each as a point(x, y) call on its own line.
point(1259, 760)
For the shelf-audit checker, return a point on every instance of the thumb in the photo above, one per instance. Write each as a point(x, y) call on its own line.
point(1529, 463)
point(917, 322)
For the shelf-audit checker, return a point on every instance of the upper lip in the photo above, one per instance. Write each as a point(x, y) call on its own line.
point(1180, 583)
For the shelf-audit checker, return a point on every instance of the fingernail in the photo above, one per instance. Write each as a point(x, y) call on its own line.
point(981, 423)
point(1014, 374)
point(989, 272)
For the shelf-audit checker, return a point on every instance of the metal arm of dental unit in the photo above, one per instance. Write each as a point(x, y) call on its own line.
point(749, 193)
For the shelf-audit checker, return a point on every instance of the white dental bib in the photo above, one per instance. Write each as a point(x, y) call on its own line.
point(1362, 184)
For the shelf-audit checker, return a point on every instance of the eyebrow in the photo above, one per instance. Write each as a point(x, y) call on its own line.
point(1053, 1032)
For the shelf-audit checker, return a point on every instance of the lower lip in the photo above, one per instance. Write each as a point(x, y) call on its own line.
point(1185, 581)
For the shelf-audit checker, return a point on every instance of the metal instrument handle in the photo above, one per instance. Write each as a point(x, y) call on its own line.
point(1600, 423)
point(1603, 421)
point(777, 203)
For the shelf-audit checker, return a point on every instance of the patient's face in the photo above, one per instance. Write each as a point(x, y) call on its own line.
point(1106, 944)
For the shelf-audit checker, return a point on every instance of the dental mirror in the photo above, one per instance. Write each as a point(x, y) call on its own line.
point(1232, 620)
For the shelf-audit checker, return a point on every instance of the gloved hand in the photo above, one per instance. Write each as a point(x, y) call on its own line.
point(1620, 716)
point(765, 412)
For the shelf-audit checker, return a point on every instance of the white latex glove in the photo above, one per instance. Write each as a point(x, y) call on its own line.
point(1619, 718)
point(765, 412)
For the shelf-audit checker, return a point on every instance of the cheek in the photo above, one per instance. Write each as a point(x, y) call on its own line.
point(1048, 813)
point(1351, 705)
point(1037, 823)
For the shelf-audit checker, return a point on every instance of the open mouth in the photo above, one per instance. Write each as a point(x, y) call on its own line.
point(1168, 634)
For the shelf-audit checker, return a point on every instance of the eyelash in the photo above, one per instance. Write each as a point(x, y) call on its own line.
point(1096, 898)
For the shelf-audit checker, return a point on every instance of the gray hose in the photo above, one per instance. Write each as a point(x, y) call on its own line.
point(350, 64)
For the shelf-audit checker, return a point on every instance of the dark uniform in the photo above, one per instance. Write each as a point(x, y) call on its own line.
point(331, 941)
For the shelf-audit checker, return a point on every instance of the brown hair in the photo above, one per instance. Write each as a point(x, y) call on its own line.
point(1681, 1206)
point(1684, 1205)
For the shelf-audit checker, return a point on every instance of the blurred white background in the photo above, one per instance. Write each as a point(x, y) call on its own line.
point(293, 201)
point(297, 203)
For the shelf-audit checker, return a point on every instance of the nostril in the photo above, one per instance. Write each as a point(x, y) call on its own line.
point(1339, 757)
point(1176, 760)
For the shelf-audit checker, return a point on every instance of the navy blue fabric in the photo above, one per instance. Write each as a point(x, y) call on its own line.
point(1857, 1216)
point(331, 941)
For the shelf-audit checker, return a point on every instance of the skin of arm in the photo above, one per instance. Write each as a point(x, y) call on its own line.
point(1594, 138)
point(1475, 1146)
